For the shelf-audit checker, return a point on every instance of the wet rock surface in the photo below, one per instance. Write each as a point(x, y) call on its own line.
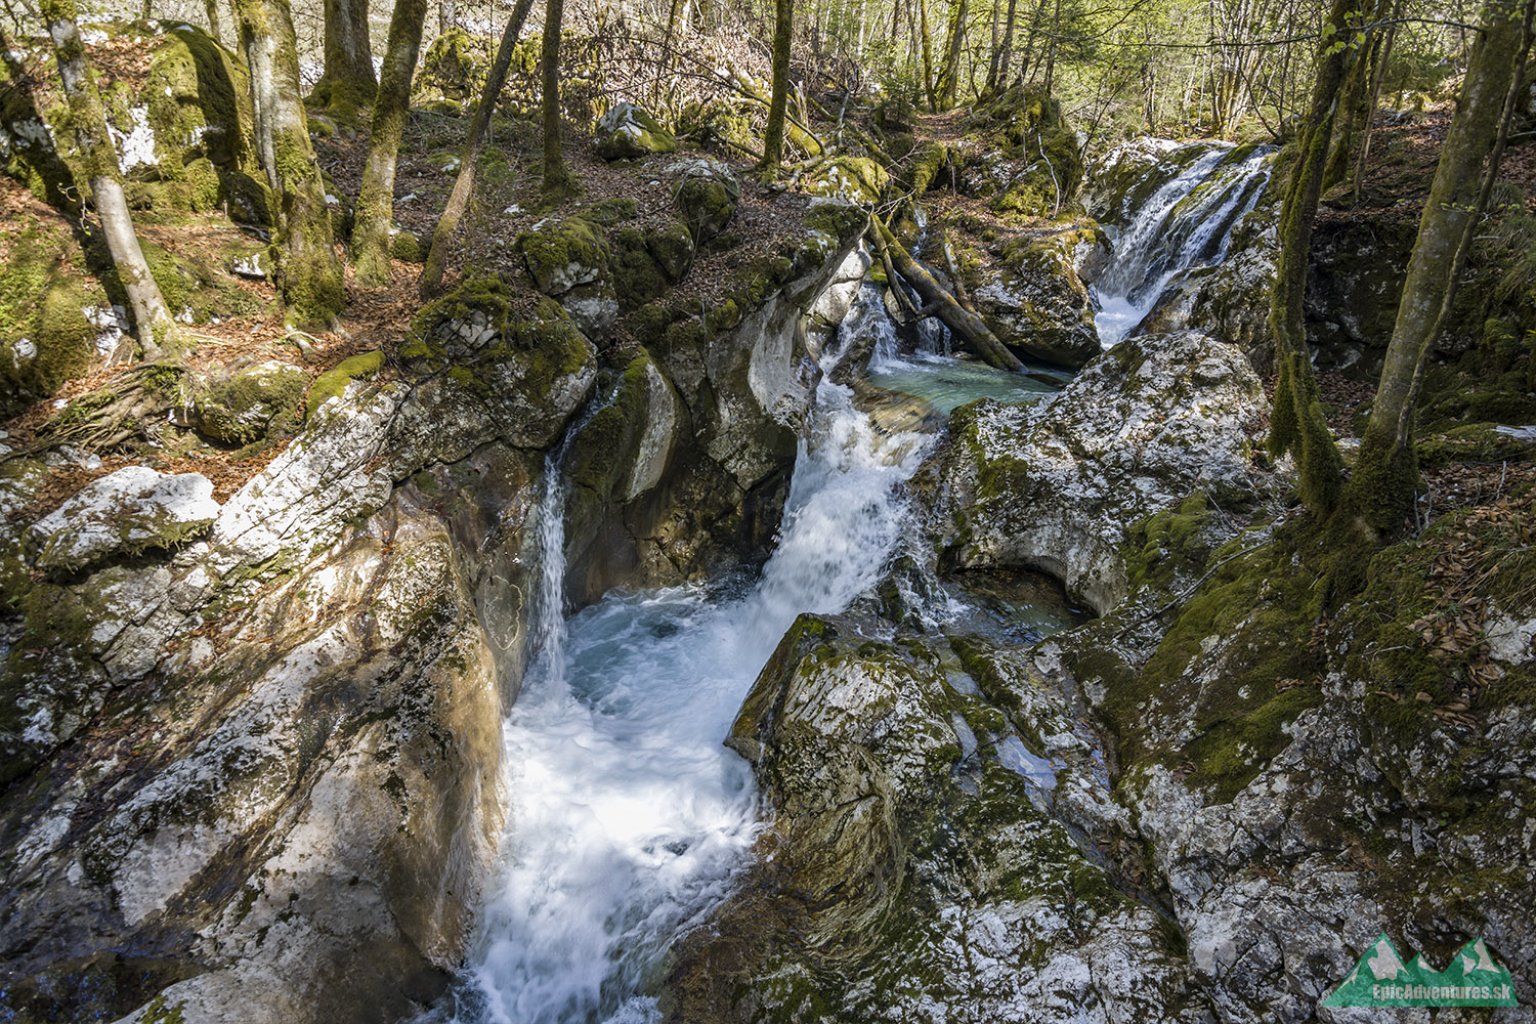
point(1055, 485)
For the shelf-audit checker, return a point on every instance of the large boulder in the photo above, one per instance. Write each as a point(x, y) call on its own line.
point(706, 195)
point(1056, 485)
point(1033, 299)
point(914, 870)
point(628, 131)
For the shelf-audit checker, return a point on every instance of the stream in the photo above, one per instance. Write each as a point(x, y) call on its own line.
point(629, 820)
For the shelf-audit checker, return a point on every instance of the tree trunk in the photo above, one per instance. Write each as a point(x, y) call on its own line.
point(215, 21)
point(969, 329)
point(557, 178)
point(778, 101)
point(469, 156)
point(156, 328)
point(925, 38)
point(1355, 108)
point(1382, 489)
point(1298, 424)
point(308, 270)
point(347, 85)
point(391, 109)
point(951, 78)
point(998, 79)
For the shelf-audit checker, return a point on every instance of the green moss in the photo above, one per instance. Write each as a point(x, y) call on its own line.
point(707, 203)
point(555, 252)
point(407, 248)
point(334, 381)
point(637, 276)
point(1258, 609)
point(45, 339)
point(611, 211)
point(671, 245)
point(454, 67)
point(250, 404)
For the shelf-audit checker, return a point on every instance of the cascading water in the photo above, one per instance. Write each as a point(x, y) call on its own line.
point(628, 818)
point(1184, 223)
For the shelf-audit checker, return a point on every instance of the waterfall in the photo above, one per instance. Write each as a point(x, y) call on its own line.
point(1183, 223)
point(628, 819)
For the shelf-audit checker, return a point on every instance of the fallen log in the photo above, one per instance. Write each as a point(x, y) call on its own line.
point(968, 328)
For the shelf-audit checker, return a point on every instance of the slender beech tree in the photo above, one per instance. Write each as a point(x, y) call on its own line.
point(1297, 424)
point(308, 271)
point(376, 197)
point(347, 83)
point(1381, 491)
point(557, 177)
point(949, 82)
point(469, 156)
point(153, 322)
point(778, 100)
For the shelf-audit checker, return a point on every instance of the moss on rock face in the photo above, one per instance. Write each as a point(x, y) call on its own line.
point(454, 68)
point(46, 294)
point(564, 254)
point(637, 276)
point(1025, 125)
point(628, 131)
point(671, 245)
point(707, 196)
point(854, 179)
point(334, 381)
point(250, 403)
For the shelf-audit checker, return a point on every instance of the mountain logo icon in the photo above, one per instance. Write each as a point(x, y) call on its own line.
point(1383, 978)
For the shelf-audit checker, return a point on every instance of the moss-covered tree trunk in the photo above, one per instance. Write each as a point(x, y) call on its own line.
point(778, 97)
point(997, 73)
point(1381, 492)
point(925, 41)
point(1298, 424)
point(88, 121)
point(347, 85)
point(308, 270)
point(215, 21)
point(949, 87)
point(557, 177)
point(376, 196)
point(1357, 101)
point(464, 185)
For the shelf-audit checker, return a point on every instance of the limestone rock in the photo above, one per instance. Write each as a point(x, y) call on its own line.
point(628, 131)
point(706, 194)
point(1036, 303)
point(249, 403)
point(1056, 485)
point(120, 515)
point(913, 873)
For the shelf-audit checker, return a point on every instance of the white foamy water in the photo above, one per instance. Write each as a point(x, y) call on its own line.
point(628, 818)
point(1186, 222)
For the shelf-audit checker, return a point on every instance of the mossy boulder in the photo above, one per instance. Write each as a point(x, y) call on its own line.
point(671, 245)
point(914, 870)
point(454, 67)
point(250, 403)
point(706, 194)
point(1057, 485)
point(53, 313)
point(562, 254)
point(628, 132)
point(498, 365)
point(853, 179)
point(1032, 298)
point(120, 515)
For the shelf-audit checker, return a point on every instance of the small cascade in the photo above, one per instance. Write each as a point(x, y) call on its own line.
point(1184, 223)
point(628, 820)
